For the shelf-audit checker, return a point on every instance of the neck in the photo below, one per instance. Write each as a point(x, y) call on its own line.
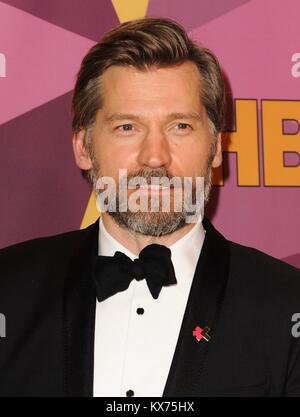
point(135, 242)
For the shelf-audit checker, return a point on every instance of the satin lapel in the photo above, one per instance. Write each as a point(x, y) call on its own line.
point(203, 308)
point(79, 317)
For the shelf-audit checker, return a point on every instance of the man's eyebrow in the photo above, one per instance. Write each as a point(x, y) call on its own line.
point(175, 115)
point(120, 116)
point(190, 115)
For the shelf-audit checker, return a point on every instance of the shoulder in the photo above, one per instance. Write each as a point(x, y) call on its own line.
point(41, 256)
point(53, 242)
point(259, 262)
point(273, 278)
point(37, 249)
point(250, 264)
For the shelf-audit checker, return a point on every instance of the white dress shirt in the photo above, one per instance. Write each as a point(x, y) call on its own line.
point(135, 334)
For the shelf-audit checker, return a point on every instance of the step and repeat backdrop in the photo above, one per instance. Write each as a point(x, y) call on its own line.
point(256, 197)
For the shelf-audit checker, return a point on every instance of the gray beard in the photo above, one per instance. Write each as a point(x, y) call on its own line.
point(159, 223)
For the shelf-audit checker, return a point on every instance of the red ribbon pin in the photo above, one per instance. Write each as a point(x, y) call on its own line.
point(200, 333)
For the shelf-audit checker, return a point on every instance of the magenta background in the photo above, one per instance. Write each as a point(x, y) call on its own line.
point(42, 192)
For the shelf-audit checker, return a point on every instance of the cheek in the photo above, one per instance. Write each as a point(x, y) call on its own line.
point(193, 158)
point(112, 160)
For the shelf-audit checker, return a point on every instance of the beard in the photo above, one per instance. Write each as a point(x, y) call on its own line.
point(158, 223)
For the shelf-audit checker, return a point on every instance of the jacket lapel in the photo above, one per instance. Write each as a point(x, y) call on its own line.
point(203, 308)
point(79, 316)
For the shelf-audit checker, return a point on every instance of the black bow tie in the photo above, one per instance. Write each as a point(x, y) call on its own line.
point(113, 274)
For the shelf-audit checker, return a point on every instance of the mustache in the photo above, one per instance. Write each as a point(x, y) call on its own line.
point(147, 174)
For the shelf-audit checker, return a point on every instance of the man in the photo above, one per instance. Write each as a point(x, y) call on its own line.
point(147, 302)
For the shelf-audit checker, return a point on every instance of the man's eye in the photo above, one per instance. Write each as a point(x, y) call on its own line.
point(125, 128)
point(183, 126)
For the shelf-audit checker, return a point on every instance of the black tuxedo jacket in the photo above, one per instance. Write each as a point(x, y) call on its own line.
point(246, 297)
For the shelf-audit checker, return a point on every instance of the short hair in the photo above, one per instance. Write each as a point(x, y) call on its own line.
point(145, 44)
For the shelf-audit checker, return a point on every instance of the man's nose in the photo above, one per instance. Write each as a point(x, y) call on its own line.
point(155, 150)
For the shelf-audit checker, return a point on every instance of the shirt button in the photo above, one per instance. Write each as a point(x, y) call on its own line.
point(140, 310)
point(130, 393)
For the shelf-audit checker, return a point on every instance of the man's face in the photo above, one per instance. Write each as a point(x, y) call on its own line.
point(153, 124)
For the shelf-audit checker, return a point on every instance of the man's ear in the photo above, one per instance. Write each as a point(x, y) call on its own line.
point(82, 157)
point(217, 161)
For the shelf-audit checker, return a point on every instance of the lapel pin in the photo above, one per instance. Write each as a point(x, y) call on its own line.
point(202, 333)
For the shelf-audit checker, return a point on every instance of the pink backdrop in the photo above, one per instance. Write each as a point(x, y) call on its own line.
point(41, 47)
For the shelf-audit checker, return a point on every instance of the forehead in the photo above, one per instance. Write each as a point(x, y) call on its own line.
point(126, 87)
